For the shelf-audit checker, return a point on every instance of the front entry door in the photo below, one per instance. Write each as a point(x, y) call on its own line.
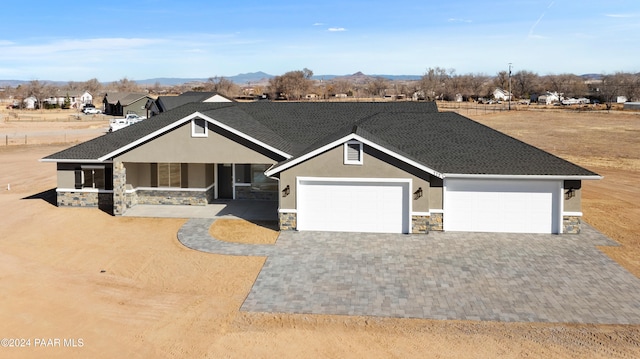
point(225, 181)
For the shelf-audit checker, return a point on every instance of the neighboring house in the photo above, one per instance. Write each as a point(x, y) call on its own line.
point(621, 99)
point(502, 95)
point(30, 103)
point(398, 167)
point(166, 103)
point(76, 100)
point(122, 103)
point(549, 98)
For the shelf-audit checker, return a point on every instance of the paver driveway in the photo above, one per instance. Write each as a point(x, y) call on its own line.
point(472, 276)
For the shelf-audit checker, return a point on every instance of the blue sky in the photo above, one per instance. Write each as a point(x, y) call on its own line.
point(143, 39)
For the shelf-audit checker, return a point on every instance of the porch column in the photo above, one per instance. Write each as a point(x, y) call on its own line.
point(119, 186)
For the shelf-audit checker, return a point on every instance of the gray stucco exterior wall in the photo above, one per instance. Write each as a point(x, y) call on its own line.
point(331, 164)
point(179, 146)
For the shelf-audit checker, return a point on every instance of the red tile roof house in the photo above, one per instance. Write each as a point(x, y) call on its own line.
point(355, 167)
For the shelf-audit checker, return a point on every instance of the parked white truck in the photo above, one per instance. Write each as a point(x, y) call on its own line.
point(128, 120)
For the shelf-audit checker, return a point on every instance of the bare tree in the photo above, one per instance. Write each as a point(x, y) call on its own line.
point(525, 84)
point(377, 87)
point(502, 80)
point(93, 86)
point(433, 83)
point(125, 85)
point(222, 86)
point(37, 89)
point(477, 85)
point(293, 85)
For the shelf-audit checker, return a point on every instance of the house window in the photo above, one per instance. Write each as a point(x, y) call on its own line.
point(199, 128)
point(169, 174)
point(253, 175)
point(91, 177)
point(243, 173)
point(353, 153)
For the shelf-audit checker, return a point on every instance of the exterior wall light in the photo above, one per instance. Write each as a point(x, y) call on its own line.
point(418, 193)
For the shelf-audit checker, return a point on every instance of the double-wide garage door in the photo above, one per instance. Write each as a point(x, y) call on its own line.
point(355, 205)
point(517, 206)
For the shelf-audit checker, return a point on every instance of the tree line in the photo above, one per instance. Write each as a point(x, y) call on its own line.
point(436, 84)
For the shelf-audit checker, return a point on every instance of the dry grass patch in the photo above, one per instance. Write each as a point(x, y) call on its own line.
point(241, 231)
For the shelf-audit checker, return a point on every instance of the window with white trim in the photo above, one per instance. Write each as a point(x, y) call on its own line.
point(353, 153)
point(199, 128)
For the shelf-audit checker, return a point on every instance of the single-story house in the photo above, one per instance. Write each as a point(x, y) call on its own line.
point(549, 98)
point(30, 103)
point(166, 103)
point(331, 166)
point(502, 95)
point(122, 103)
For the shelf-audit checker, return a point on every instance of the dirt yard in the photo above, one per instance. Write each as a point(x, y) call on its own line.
point(125, 287)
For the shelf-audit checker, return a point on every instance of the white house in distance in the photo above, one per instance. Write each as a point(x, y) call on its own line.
point(549, 98)
point(77, 100)
point(502, 95)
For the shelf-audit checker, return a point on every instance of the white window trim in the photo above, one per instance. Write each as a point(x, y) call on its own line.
point(194, 127)
point(346, 150)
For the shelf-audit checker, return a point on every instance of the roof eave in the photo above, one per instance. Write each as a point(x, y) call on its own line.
point(530, 177)
point(70, 160)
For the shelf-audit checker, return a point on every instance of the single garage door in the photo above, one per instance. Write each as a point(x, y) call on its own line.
point(356, 205)
point(516, 206)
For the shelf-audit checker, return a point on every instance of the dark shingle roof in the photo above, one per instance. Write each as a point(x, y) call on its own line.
point(166, 103)
point(443, 141)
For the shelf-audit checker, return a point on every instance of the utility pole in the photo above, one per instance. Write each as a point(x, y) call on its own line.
point(510, 87)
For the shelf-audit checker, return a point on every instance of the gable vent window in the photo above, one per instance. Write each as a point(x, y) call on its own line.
point(353, 153)
point(199, 128)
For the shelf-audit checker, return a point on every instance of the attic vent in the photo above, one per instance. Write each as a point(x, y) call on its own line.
point(353, 153)
point(198, 128)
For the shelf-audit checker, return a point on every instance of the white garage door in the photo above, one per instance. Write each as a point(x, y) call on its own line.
point(353, 206)
point(515, 206)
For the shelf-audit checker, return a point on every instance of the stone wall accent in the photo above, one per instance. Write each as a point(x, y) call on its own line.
point(245, 192)
point(164, 197)
point(288, 221)
point(102, 200)
point(571, 224)
point(419, 224)
point(435, 222)
point(119, 186)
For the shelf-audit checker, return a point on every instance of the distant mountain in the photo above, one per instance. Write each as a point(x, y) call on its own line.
point(240, 79)
point(359, 77)
point(255, 79)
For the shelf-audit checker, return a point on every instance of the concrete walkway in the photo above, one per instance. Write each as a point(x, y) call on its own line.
point(466, 276)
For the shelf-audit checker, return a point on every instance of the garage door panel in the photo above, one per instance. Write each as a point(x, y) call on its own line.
point(501, 206)
point(353, 206)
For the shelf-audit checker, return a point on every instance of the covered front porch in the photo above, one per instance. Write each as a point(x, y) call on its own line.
point(251, 210)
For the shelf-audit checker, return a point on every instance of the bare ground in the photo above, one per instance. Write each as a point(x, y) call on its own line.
point(129, 289)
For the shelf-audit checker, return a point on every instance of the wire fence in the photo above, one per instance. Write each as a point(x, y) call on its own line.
point(45, 139)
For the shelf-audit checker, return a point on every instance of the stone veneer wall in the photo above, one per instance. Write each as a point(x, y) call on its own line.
point(419, 224)
point(288, 221)
point(571, 224)
point(435, 222)
point(245, 192)
point(164, 197)
point(119, 186)
point(102, 200)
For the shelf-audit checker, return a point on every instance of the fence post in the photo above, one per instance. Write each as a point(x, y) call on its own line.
point(25, 139)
